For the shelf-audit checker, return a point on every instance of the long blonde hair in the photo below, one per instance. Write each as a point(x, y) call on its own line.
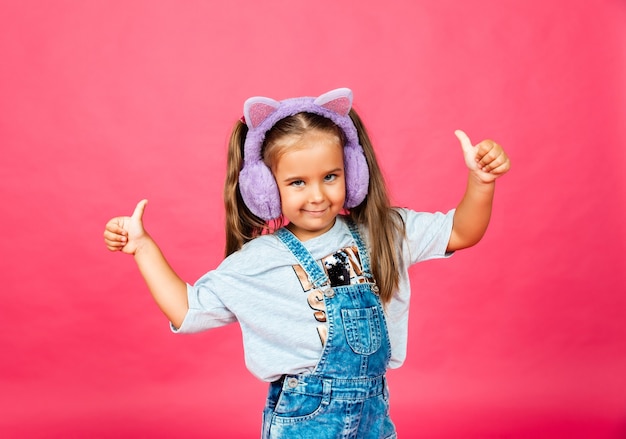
point(384, 223)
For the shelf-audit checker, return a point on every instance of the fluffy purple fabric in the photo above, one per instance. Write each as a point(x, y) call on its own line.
point(256, 182)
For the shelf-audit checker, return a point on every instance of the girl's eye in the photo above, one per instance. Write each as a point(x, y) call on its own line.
point(297, 183)
point(330, 177)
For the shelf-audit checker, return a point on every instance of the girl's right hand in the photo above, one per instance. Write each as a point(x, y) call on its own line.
point(125, 233)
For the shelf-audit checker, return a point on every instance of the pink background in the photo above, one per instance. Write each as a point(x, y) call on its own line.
point(104, 103)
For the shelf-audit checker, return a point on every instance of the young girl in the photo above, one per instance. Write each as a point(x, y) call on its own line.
point(317, 260)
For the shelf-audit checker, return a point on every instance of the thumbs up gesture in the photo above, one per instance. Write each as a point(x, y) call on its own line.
point(124, 233)
point(487, 159)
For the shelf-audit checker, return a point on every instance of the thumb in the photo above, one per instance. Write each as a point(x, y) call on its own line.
point(466, 144)
point(139, 209)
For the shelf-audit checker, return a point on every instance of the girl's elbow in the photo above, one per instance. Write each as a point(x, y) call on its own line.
point(176, 322)
point(457, 242)
point(176, 317)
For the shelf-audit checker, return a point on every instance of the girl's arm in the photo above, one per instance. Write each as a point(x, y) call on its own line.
point(486, 162)
point(127, 234)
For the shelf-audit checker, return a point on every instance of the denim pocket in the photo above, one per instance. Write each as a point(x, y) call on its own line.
point(362, 327)
point(296, 406)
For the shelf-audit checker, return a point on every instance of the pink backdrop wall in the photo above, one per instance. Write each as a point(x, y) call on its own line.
point(104, 103)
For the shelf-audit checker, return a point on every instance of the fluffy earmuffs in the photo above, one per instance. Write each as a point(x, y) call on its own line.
point(256, 182)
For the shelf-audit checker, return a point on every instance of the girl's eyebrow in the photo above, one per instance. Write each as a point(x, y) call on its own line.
point(334, 171)
point(289, 179)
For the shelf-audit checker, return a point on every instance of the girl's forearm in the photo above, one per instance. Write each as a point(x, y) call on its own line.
point(167, 288)
point(472, 214)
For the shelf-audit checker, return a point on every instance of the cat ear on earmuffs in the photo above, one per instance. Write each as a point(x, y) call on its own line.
point(257, 109)
point(338, 101)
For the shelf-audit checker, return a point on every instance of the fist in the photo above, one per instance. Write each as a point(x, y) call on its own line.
point(124, 233)
point(487, 159)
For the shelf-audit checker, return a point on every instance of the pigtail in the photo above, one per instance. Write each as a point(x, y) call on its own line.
point(241, 224)
point(385, 225)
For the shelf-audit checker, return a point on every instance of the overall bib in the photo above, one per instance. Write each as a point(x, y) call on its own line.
point(346, 395)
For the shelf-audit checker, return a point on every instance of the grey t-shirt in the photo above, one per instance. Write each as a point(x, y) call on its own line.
point(282, 318)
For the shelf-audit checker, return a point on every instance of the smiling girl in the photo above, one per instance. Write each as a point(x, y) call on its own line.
point(316, 272)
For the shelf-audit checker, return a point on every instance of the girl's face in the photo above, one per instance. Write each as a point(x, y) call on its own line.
point(311, 182)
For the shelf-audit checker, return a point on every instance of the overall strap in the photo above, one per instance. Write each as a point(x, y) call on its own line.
point(317, 276)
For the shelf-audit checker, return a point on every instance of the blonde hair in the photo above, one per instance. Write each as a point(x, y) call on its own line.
point(384, 223)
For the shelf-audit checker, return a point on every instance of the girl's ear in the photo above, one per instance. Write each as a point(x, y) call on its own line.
point(257, 109)
point(338, 101)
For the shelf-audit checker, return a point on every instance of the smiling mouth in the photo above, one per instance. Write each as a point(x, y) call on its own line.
point(315, 212)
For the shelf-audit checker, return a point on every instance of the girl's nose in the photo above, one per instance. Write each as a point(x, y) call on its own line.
point(316, 193)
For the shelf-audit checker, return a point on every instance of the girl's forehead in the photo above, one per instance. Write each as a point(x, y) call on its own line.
point(308, 139)
point(310, 150)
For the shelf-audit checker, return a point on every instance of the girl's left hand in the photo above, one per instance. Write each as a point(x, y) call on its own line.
point(487, 160)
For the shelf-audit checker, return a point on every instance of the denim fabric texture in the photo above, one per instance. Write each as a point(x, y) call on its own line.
point(346, 396)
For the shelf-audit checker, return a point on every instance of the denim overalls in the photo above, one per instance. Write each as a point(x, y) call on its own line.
point(346, 395)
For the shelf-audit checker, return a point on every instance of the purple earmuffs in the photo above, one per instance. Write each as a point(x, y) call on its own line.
point(256, 182)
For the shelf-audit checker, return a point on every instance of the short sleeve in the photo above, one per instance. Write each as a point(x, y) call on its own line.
point(427, 235)
point(206, 310)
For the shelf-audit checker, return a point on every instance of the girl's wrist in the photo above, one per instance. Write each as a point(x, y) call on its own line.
point(143, 244)
point(482, 179)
